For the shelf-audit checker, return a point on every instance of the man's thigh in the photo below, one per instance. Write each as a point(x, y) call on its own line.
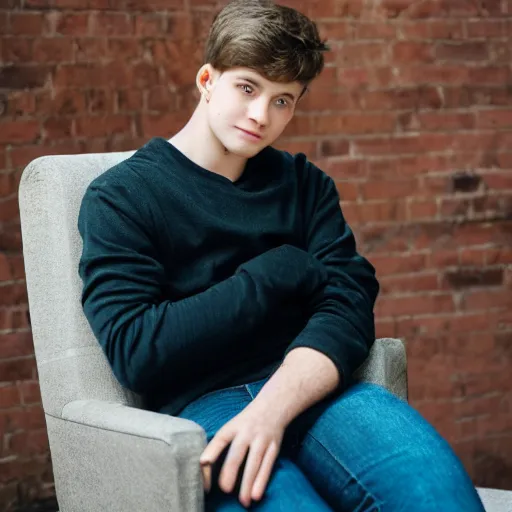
point(368, 450)
point(288, 490)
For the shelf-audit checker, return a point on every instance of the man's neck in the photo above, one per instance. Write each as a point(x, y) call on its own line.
point(197, 142)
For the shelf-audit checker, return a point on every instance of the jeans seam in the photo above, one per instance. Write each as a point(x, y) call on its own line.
point(378, 501)
point(248, 389)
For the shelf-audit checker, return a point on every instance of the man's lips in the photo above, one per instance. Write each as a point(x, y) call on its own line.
point(250, 133)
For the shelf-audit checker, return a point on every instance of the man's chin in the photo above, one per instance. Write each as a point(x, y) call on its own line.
point(245, 151)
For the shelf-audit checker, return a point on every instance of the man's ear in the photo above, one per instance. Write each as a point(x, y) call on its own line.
point(205, 78)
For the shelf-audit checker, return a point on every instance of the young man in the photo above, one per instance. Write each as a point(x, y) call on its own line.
point(223, 283)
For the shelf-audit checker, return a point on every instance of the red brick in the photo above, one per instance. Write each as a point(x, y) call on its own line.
point(9, 396)
point(65, 102)
point(23, 76)
point(294, 146)
point(353, 77)
point(442, 258)
point(111, 24)
point(472, 257)
point(21, 103)
point(468, 278)
point(492, 119)
point(58, 128)
point(375, 211)
point(407, 166)
point(480, 234)
point(9, 183)
point(13, 319)
point(391, 189)
point(438, 73)
point(16, 132)
point(393, 265)
point(27, 23)
point(486, 299)
point(421, 209)
point(414, 304)
point(16, 369)
point(10, 470)
point(151, 25)
point(445, 121)
point(15, 345)
point(409, 283)
point(16, 50)
point(374, 30)
point(467, 51)
point(123, 48)
point(336, 30)
point(406, 52)
point(87, 49)
point(100, 101)
point(72, 24)
point(355, 54)
point(491, 75)
point(441, 324)
point(382, 239)
point(163, 124)
point(334, 147)
point(483, 28)
point(498, 256)
point(9, 212)
point(145, 75)
point(385, 328)
point(348, 191)
point(4, 22)
point(455, 207)
point(352, 124)
point(9, 495)
point(103, 125)
point(501, 51)
point(129, 100)
point(55, 50)
point(322, 8)
point(446, 29)
point(31, 393)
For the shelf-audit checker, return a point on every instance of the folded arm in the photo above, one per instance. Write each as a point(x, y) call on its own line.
point(147, 338)
point(341, 329)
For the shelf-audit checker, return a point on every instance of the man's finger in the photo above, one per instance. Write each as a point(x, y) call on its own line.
point(256, 452)
point(260, 484)
point(206, 470)
point(234, 458)
point(214, 448)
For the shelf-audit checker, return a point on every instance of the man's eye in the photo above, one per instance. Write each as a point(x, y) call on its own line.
point(246, 88)
point(283, 103)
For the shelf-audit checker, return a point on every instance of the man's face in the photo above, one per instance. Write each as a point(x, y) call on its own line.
point(247, 112)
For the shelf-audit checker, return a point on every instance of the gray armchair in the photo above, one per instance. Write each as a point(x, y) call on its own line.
point(108, 452)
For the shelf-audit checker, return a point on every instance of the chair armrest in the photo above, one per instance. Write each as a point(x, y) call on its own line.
point(386, 365)
point(108, 456)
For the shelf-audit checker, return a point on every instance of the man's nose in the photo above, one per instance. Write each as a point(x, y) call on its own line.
point(258, 111)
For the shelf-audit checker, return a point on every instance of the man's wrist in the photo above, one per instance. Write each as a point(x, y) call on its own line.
point(305, 377)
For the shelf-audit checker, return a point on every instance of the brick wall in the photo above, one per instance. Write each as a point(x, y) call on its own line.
point(412, 117)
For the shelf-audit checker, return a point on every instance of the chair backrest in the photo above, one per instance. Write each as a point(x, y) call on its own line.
point(70, 362)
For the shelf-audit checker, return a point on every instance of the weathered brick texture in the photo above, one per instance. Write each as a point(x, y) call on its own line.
point(412, 117)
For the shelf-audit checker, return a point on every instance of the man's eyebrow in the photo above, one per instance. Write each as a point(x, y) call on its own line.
point(257, 84)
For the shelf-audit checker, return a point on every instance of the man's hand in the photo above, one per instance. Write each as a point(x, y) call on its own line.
point(254, 433)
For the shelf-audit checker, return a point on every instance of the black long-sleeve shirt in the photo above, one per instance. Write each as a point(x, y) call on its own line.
point(193, 282)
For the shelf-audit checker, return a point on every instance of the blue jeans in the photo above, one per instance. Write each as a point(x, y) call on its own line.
point(364, 450)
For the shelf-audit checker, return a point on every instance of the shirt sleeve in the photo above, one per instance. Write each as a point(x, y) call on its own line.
point(148, 339)
point(342, 324)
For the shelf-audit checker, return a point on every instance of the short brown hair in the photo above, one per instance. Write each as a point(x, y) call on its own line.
point(277, 41)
